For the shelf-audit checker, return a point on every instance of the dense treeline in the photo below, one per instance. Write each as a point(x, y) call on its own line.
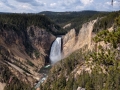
point(106, 21)
point(75, 18)
point(65, 17)
point(20, 22)
point(104, 65)
point(79, 21)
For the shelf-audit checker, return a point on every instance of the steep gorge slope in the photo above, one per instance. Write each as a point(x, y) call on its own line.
point(24, 49)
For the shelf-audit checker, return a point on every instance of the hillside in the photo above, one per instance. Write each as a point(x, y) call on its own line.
point(97, 68)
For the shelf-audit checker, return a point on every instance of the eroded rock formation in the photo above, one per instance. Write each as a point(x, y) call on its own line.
point(71, 42)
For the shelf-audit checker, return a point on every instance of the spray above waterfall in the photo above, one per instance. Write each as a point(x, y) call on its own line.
point(55, 53)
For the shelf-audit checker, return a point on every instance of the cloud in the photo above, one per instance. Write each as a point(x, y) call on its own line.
point(32, 2)
point(107, 6)
point(25, 1)
point(24, 7)
point(67, 2)
point(57, 5)
point(53, 5)
point(67, 5)
point(0, 4)
point(85, 5)
point(80, 7)
point(108, 3)
point(7, 4)
point(116, 3)
point(86, 2)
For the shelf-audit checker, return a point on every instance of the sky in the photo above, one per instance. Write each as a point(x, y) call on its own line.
point(35, 6)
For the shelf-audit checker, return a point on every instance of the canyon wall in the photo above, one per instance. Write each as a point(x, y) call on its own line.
point(71, 42)
point(25, 51)
point(41, 40)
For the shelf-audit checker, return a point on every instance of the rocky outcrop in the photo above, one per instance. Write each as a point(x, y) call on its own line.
point(66, 26)
point(71, 42)
point(80, 88)
point(2, 85)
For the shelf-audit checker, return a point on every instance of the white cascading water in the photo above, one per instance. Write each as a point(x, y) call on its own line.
point(55, 53)
point(55, 56)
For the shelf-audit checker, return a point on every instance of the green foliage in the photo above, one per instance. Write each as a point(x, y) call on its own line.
point(5, 73)
point(37, 54)
point(17, 85)
point(106, 58)
point(20, 22)
point(106, 21)
point(14, 83)
point(108, 37)
point(30, 63)
point(117, 20)
point(75, 18)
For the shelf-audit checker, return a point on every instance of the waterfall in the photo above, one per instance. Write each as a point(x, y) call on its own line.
point(55, 53)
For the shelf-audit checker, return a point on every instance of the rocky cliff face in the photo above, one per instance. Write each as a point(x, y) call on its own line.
point(71, 42)
point(41, 40)
point(25, 51)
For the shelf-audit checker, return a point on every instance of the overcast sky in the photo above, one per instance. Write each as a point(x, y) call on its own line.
point(35, 6)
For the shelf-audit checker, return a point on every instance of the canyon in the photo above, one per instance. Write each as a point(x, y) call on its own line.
point(37, 42)
point(27, 54)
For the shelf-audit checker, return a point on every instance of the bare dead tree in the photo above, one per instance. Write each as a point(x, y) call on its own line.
point(112, 2)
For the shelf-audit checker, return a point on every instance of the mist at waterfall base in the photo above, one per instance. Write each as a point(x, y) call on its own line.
point(55, 53)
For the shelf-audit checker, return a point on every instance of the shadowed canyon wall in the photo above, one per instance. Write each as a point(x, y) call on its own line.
point(25, 51)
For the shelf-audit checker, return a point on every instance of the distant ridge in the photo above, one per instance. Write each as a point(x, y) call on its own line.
point(69, 12)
